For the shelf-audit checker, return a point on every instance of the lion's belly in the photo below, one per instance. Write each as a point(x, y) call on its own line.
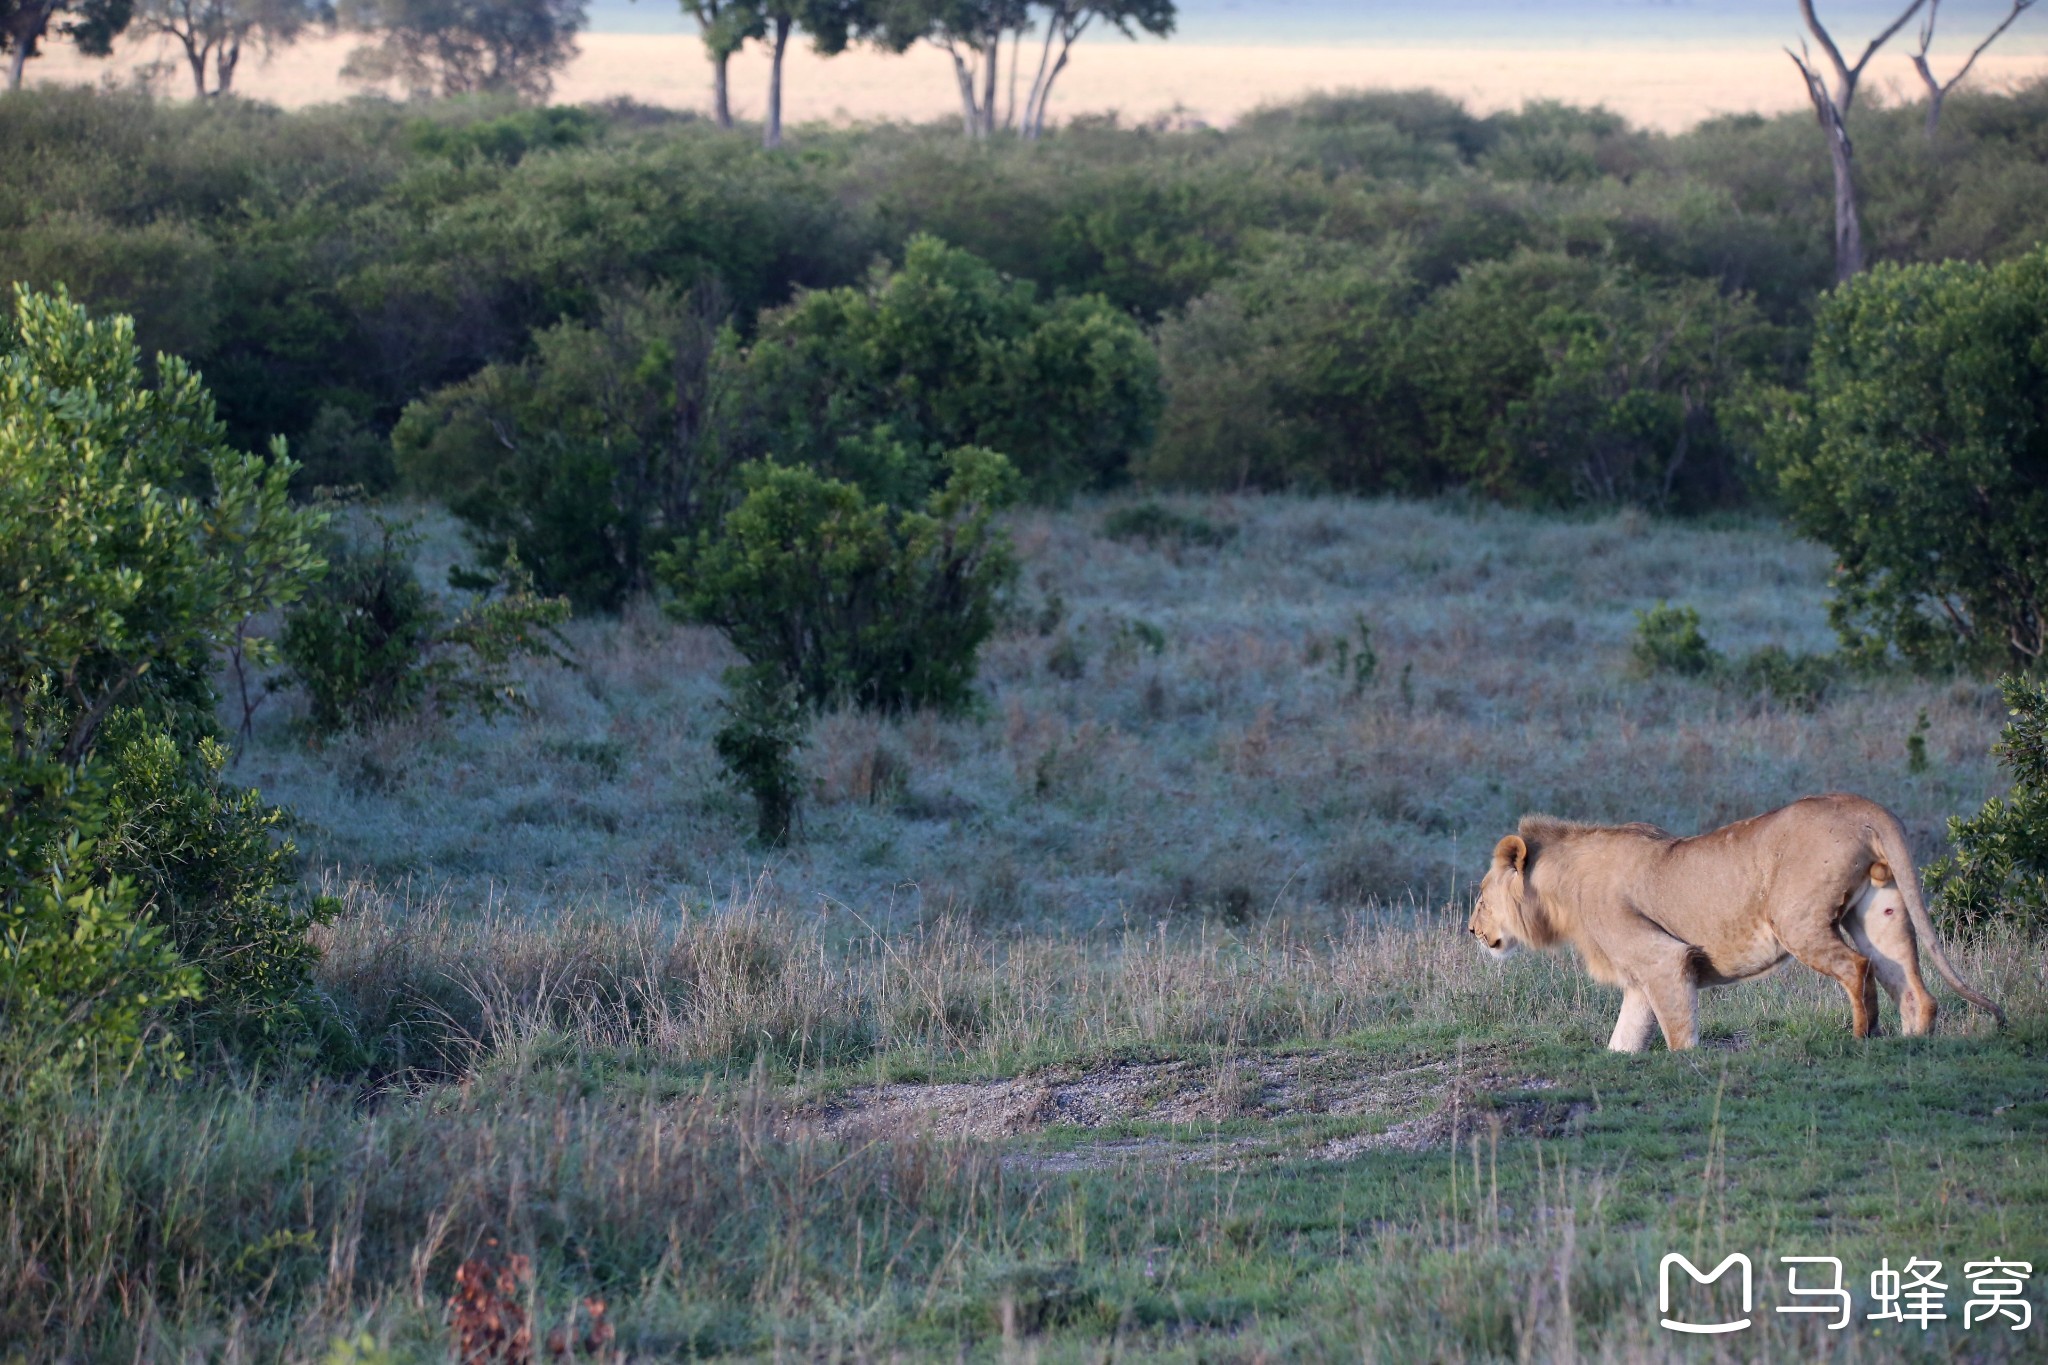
point(1722, 964)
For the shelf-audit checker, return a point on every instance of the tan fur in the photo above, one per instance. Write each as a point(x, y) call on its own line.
point(1827, 880)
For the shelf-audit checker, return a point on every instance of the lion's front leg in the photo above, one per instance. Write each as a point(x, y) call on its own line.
point(1637, 1024)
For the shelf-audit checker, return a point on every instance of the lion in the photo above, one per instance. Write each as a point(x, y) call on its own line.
point(1823, 880)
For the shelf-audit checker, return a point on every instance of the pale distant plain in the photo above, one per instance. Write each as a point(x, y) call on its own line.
point(1663, 66)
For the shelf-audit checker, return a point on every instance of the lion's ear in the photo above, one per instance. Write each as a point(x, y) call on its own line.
point(1512, 851)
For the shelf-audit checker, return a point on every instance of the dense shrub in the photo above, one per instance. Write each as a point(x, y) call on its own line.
point(329, 266)
point(854, 601)
point(369, 643)
point(594, 455)
point(134, 542)
point(765, 724)
point(1539, 378)
point(1552, 379)
point(1291, 375)
point(876, 383)
point(208, 867)
point(1921, 459)
point(83, 973)
point(1999, 869)
point(1668, 640)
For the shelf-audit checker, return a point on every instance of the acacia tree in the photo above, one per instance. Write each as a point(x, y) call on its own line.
point(1831, 107)
point(464, 46)
point(1065, 22)
point(971, 32)
point(218, 30)
point(725, 26)
point(1937, 90)
point(831, 24)
point(90, 25)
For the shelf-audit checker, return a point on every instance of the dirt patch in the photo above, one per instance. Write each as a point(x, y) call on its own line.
point(1421, 1099)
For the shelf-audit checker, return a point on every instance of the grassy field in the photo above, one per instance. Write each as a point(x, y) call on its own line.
point(1132, 1016)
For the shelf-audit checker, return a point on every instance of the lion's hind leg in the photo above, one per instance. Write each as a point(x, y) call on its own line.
point(1877, 925)
point(1815, 943)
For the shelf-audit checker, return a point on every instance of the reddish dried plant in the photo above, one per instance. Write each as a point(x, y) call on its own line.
point(490, 1323)
point(485, 1312)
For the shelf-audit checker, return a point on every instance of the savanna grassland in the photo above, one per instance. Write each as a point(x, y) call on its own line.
point(1132, 1013)
point(1108, 994)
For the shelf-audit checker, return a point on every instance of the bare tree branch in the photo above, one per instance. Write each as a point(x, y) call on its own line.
point(1937, 90)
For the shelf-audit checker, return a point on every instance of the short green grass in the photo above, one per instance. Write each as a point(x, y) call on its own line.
point(612, 1037)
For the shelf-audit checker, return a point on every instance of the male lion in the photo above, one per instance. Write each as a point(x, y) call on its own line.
point(1822, 880)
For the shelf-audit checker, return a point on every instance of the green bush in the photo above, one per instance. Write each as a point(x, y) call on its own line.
point(1921, 459)
point(135, 543)
point(852, 601)
point(1799, 681)
point(1999, 870)
point(84, 975)
point(593, 456)
point(369, 643)
point(875, 384)
point(1553, 379)
point(208, 868)
point(1668, 640)
point(765, 724)
point(1289, 375)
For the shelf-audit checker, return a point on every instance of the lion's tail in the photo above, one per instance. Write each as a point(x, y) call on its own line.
point(1889, 843)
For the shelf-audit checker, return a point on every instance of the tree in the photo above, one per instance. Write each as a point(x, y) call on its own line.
point(92, 27)
point(1831, 107)
point(1937, 90)
point(970, 32)
point(1065, 22)
point(1920, 457)
point(830, 24)
point(725, 26)
point(464, 46)
point(218, 29)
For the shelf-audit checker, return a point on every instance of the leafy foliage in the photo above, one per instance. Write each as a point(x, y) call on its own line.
point(1668, 640)
point(132, 538)
point(136, 543)
point(1538, 378)
point(369, 643)
point(1921, 459)
point(2000, 866)
point(593, 456)
point(83, 973)
point(852, 601)
point(207, 867)
point(1288, 375)
point(875, 384)
point(765, 725)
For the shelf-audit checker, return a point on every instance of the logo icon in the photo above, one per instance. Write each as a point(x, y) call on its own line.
point(1735, 1258)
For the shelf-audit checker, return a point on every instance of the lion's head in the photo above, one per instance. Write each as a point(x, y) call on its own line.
point(1498, 920)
